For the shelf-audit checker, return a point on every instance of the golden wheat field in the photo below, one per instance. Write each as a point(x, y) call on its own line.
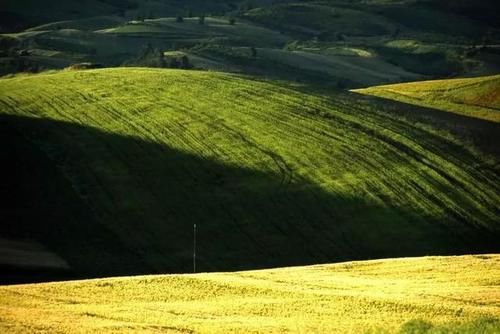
point(414, 295)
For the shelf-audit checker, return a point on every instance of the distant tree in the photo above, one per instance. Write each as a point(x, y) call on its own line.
point(253, 51)
point(179, 19)
point(161, 59)
point(485, 41)
point(396, 33)
point(24, 53)
point(173, 63)
point(323, 36)
point(189, 12)
point(232, 21)
point(339, 36)
point(247, 5)
point(35, 68)
point(148, 48)
point(201, 19)
point(21, 65)
point(185, 62)
point(342, 84)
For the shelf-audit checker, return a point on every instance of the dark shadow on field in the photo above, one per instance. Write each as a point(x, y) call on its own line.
point(483, 134)
point(113, 205)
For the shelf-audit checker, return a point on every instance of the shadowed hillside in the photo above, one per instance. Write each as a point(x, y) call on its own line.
point(137, 175)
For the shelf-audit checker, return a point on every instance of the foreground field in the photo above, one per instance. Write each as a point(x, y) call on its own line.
point(129, 159)
point(473, 97)
point(412, 295)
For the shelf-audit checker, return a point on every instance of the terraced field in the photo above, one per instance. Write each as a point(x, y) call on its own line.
point(412, 295)
point(473, 97)
point(271, 175)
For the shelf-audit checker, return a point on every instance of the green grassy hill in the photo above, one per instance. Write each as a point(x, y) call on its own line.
point(325, 19)
point(473, 97)
point(412, 295)
point(110, 169)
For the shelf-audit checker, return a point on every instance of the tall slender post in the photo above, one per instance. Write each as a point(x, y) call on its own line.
point(194, 248)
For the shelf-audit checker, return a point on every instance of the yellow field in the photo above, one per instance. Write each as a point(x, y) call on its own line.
point(440, 294)
point(474, 97)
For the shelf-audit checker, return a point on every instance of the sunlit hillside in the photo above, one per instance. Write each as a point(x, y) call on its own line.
point(412, 295)
point(473, 97)
point(128, 160)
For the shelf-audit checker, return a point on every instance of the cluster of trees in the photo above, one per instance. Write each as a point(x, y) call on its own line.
point(201, 19)
point(181, 61)
point(19, 56)
point(154, 57)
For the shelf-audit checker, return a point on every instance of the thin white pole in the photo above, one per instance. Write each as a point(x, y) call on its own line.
point(194, 248)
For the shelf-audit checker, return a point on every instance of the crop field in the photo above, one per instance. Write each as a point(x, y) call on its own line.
point(261, 167)
point(357, 69)
point(403, 46)
point(409, 295)
point(320, 18)
point(250, 166)
point(474, 97)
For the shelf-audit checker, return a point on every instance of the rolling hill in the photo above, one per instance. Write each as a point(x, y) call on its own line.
point(109, 170)
point(260, 166)
point(345, 44)
point(474, 97)
point(412, 295)
point(19, 14)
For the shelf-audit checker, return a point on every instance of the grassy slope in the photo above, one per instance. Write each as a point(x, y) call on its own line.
point(54, 10)
point(85, 24)
point(474, 97)
point(172, 31)
point(116, 42)
point(413, 295)
point(372, 26)
point(263, 169)
point(359, 18)
point(313, 19)
point(356, 69)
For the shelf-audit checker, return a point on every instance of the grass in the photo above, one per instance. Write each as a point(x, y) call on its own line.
point(272, 175)
point(314, 19)
point(409, 295)
point(473, 97)
point(356, 69)
point(363, 43)
point(30, 11)
point(168, 29)
point(358, 44)
point(86, 24)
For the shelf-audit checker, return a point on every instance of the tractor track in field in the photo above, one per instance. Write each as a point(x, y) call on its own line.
point(274, 167)
point(284, 169)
